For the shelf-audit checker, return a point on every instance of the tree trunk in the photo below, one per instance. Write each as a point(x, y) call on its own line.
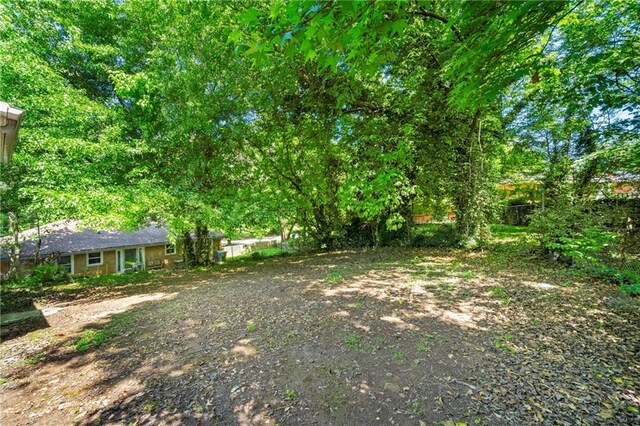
point(188, 250)
point(469, 199)
point(202, 246)
point(38, 243)
point(14, 259)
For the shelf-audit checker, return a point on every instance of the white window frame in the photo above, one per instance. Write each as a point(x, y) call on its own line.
point(167, 247)
point(72, 262)
point(95, 264)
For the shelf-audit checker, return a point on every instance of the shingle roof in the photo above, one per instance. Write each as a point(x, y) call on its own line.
point(68, 237)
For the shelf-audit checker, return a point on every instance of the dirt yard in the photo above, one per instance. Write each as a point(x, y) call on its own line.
point(357, 337)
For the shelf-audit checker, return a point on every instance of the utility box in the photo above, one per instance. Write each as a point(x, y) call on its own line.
point(10, 121)
point(220, 256)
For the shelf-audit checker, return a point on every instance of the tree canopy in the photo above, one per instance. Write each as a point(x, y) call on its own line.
point(337, 118)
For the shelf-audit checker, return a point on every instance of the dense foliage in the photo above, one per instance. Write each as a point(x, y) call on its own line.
point(332, 118)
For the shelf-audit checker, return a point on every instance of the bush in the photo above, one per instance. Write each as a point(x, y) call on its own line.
point(434, 235)
point(573, 235)
point(45, 274)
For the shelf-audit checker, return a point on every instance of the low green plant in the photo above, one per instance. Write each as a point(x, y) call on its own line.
point(398, 356)
point(421, 346)
point(35, 359)
point(290, 394)
point(586, 246)
point(44, 274)
point(251, 327)
point(468, 275)
point(500, 293)
point(89, 339)
point(503, 343)
point(353, 340)
point(334, 277)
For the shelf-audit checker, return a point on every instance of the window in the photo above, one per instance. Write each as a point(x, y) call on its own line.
point(66, 263)
point(169, 249)
point(94, 259)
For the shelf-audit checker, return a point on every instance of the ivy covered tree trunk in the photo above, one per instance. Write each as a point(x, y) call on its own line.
point(188, 250)
point(202, 246)
point(471, 197)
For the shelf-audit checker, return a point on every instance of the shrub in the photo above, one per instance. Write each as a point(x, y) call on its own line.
point(433, 235)
point(45, 274)
point(587, 247)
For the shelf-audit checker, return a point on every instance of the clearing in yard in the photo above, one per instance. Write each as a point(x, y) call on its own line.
point(394, 336)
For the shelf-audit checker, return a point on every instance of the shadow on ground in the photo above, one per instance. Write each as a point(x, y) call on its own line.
point(341, 338)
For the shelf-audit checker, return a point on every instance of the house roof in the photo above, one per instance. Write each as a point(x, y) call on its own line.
point(68, 236)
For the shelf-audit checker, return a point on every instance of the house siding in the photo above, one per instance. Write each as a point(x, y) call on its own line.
point(108, 264)
point(153, 254)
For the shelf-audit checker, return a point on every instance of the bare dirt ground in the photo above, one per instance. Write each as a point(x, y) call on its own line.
point(355, 337)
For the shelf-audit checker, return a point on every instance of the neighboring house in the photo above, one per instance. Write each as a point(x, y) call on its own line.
point(84, 251)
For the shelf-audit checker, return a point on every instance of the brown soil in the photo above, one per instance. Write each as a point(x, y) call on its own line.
point(379, 336)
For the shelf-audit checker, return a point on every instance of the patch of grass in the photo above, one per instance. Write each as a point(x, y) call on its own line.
point(89, 339)
point(334, 399)
point(428, 273)
point(398, 356)
point(35, 359)
point(251, 327)
point(415, 407)
point(359, 303)
point(290, 394)
point(465, 294)
point(149, 406)
point(108, 280)
point(4, 380)
point(468, 275)
point(500, 293)
point(268, 252)
point(335, 277)
point(421, 346)
point(433, 235)
point(503, 343)
point(503, 231)
point(353, 340)
point(94, 338)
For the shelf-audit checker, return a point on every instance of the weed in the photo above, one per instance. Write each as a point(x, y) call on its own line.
point(398, 356)
point(503, 343)
point(500, 293)
point(35, 359)
point(251, 327)
point(456, 266)
point(334, 277)
point(359, 303)
point(468, 275)
point(421, 346)
point(353, 340)
point(290, 394)
point(149, 406)
point(465, 293)
point(89, 339)
point(4, 380)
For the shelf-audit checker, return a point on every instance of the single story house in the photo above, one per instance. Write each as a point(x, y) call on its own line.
point(85, 251)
